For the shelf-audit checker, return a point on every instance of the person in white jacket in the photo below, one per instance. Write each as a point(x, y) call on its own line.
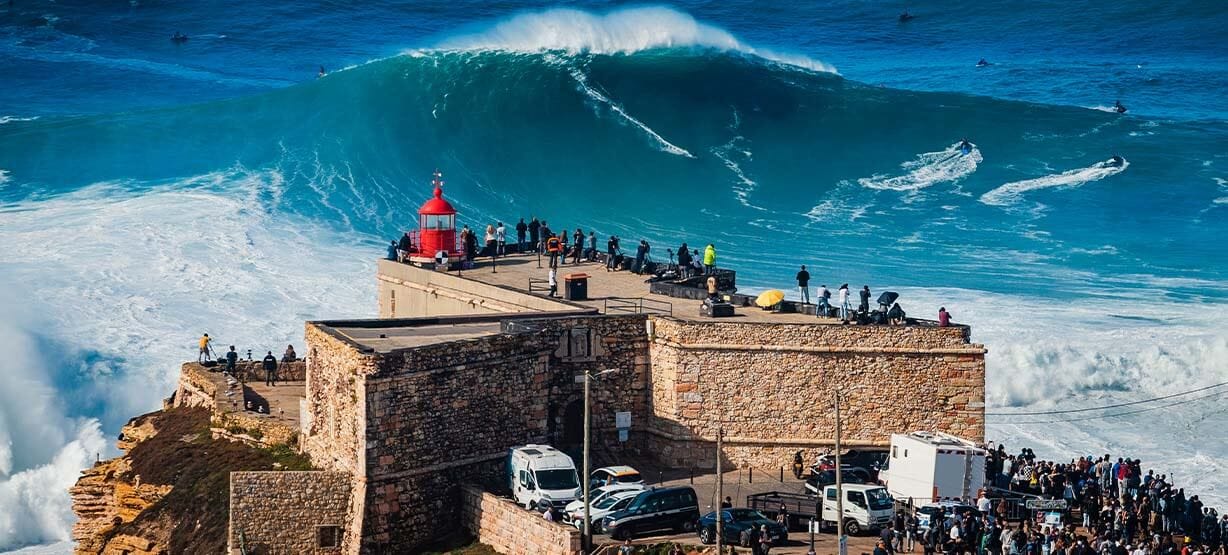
point(843, 297)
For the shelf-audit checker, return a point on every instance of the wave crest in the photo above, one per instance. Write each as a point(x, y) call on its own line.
point(623, 31)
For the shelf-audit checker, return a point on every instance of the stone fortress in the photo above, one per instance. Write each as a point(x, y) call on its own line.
point(408, 417)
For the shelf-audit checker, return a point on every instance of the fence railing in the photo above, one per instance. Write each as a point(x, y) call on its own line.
point(637, 305)
point(538, 285)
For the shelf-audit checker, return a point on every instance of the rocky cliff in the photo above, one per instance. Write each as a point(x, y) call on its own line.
point(169, 492)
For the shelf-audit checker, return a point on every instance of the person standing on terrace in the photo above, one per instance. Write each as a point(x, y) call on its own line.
point(521, 228)
point(535, 233)
point(803, 284)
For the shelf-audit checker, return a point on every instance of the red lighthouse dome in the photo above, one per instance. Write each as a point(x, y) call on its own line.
point(437, 223)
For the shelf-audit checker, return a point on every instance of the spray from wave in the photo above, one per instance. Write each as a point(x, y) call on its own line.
point(624, 31)
point(1012, 192)
point(930, 168)
point(117, 312)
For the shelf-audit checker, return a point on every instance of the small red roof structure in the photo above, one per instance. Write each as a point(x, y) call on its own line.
point(437, 225)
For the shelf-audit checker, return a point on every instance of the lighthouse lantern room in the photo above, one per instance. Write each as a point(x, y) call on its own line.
point(436, 228)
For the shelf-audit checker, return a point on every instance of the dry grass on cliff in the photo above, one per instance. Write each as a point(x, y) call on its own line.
point(195, 513)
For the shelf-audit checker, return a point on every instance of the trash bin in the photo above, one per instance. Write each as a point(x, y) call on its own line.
point(575, 287)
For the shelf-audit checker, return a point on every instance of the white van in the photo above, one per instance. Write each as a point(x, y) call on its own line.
point(867, 507)
point(932, 466)
point(538, 473)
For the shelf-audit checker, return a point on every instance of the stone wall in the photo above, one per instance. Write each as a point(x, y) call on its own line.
point(510, 529)
point(253, 370)
point(196, 388)
point(772, 387)
point(332, 416)
point(253, 428)
point(334, 424)
point(444, 413)
point(282, 512)
point(620, 344)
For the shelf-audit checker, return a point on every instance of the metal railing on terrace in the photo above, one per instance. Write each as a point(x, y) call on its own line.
point(637, 305)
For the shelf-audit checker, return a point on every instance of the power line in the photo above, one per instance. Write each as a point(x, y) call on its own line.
point(1118, 405)
point(1126, 413)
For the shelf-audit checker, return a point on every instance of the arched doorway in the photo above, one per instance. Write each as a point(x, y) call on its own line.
point(573, 425)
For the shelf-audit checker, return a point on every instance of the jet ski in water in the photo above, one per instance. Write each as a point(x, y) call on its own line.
point(179, 38)
point(965, 147)
point(1114, 162)
point(983, 63)
point(905, 16)
point(1119, 107)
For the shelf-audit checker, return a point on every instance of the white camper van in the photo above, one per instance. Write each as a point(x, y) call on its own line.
point(866, 507)
point(932, 466)
point(539, 473)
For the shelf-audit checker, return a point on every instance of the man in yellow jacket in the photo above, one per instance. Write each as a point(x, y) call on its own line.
point(709, 258)
point(205, 348)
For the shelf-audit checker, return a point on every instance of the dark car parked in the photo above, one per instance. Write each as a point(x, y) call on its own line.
point(818, 480)
point(672, 509)
point(869, 460)
point(735, 522)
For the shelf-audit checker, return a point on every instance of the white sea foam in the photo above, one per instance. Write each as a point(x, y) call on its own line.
point(743, 184)
point(930, 168)
point(594, 94)
point(622, 31)
point(7, 119)
point(4, 176)
point(1012, 192)
point(134, 278)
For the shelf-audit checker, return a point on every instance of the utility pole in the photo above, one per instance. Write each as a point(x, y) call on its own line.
point(586, 541)
point(720, 494)
point(840, 539)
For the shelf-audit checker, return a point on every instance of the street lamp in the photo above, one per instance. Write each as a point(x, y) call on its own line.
point(588, 533)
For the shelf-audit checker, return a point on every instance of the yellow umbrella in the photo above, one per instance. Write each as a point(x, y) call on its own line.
point(770, 298)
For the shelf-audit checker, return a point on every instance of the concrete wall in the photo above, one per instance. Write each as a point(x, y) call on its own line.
point(510, 529)
point(772, 385)
point(280, 512)
point(407, 291)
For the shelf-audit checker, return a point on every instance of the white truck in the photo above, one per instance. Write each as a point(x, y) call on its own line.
point(867, 507)
point(926, 467)
point(538, 473)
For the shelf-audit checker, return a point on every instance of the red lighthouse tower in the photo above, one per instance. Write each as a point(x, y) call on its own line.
point(436, 227)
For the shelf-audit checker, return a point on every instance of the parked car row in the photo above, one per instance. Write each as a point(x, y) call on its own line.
point(937, 472)
point(542, 478)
